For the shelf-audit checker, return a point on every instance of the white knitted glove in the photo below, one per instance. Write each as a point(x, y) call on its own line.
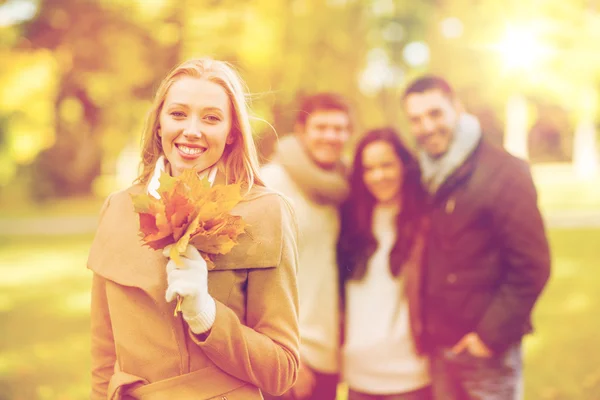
point(190, 281)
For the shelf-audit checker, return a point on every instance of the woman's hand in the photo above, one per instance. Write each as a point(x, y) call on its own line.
point(305, 384)
point(190, 281)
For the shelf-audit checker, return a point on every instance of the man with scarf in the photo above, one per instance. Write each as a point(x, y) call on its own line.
point(487, 257)
point(307, 168)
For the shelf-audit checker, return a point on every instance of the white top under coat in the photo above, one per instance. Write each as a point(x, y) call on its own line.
point(379, 356)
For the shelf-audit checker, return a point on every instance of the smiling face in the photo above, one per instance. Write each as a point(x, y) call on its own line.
point(194, 124)
point(382, 171)
point(433, 117)
point(324, 135)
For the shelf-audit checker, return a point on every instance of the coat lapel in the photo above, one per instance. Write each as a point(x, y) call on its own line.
point(461, 197)
point(117, 252)
point(260, 245)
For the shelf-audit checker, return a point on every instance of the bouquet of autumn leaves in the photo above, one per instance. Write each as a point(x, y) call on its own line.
point(190, 211)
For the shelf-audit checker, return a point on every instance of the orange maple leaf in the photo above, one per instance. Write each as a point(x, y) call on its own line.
point(218, 236)
point(190, 211)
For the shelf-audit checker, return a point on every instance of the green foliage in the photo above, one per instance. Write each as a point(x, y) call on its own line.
point(81, 73)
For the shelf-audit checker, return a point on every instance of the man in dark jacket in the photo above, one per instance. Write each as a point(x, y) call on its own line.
point(487, 257)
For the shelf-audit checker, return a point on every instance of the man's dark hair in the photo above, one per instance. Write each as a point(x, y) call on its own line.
point(429, 82)
point(325, 101)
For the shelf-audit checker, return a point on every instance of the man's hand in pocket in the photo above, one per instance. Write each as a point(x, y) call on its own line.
point(472, 343)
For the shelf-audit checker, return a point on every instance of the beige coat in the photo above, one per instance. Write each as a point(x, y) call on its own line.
point(141, 351)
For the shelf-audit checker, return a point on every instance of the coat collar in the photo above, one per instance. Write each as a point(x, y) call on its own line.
point(458, 177)
point(469, 188)
point(118, 254)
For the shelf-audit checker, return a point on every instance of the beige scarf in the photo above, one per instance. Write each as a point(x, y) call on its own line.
point(467, 136)
point(322, 186)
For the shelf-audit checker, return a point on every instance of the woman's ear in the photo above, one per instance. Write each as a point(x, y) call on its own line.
point(230, 138)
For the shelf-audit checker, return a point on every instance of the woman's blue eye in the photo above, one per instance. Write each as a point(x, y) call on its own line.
point(213, 118)
point(177, 114)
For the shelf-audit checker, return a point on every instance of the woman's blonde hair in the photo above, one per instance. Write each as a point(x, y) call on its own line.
point(240, 158)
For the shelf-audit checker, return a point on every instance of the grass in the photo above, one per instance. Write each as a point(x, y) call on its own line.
point(562, 360)
point(72, 206)
point(561, 189)
point(44, 320)
point(44, 308)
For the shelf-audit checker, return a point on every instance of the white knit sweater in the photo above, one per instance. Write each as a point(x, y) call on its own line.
point(318, 227)
point(379, 355)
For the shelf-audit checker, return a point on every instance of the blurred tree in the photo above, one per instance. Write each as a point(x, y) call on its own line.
point(396, 55)
point(107, 64)
point(284, 49)
point(540, 50)
point(551, 136)
point(323, 49)
point(82, 72)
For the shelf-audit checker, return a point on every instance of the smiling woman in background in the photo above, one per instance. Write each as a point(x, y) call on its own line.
point(237, 334)
point(379, 253)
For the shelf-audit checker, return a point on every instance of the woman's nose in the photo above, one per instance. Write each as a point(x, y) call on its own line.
point(192, 131)
point(378, 174)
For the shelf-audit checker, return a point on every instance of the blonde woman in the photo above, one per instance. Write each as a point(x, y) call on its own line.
point(237, 335)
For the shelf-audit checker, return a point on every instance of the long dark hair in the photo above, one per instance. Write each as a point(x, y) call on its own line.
point(357, 242)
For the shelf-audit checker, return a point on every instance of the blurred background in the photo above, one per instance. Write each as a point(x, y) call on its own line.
point(77, 77)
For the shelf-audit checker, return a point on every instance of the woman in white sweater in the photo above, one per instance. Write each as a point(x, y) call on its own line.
point(379, 255)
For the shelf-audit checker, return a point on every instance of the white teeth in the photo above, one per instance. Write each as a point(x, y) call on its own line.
point(192, 151)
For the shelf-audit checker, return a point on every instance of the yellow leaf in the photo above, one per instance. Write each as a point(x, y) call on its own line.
point(214, 244)
point(142, 202)
point(208, 210)
point(174, 255)
point(218, 236)
point(197, 187)
point(182, 243)
point(166, 183)
point(226, 196)
point(210, 265)
point(190, 211)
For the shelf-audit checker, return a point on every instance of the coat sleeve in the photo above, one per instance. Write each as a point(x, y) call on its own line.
point(103, 345)
point(265, 350)
point(525, 255)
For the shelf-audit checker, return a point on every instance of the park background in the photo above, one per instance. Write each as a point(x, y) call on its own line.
point(77, 77)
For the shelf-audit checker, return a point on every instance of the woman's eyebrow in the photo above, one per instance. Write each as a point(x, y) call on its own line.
point(176, 104)
point(212, 108)
point(208, 108)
